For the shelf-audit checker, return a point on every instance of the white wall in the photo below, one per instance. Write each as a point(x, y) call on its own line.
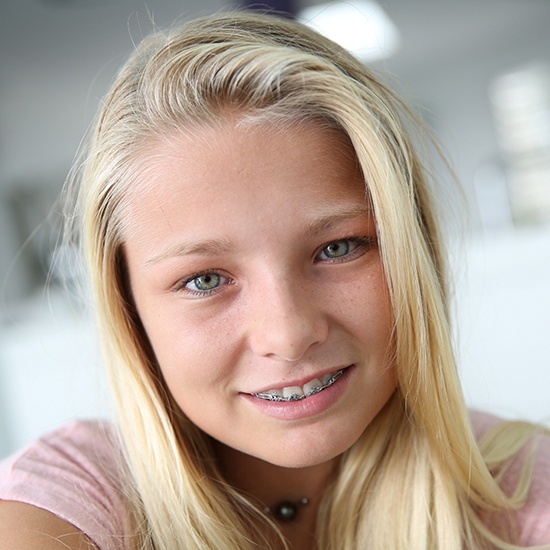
point(50, 371)
point(503, 320)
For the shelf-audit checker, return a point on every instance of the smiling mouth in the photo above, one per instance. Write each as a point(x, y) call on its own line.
point(296, 393)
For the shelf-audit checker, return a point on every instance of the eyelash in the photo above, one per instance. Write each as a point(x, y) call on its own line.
point(181, 286)
point(360, 243)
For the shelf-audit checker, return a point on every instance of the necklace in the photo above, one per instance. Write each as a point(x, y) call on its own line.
point(287, 510)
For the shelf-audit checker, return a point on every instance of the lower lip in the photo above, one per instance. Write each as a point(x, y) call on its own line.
point(303, 408)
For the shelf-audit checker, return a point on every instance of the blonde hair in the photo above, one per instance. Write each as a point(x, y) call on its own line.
point(416, 478)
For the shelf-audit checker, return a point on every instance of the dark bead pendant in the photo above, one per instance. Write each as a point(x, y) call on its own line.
point(287, 510)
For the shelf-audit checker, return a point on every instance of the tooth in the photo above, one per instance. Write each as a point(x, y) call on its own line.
point(326, 377)
point(292, 391)
point(277, 393)
point(312, 385)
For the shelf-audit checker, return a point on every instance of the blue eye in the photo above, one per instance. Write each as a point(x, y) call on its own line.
point(336, 249)
point(344, 250)
point(204, 282)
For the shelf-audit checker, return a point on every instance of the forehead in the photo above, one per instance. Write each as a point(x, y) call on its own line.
point(233, 143)
point(207, 168)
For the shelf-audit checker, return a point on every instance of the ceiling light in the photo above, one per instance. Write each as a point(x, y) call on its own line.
point(360, 26)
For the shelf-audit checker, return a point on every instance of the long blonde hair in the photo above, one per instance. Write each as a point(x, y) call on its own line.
point(416, 478)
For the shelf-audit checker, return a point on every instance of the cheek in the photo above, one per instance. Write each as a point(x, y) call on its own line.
point(368, 307)
point(191, 352)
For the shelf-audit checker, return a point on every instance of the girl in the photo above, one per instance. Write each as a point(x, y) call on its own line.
point(270, 284)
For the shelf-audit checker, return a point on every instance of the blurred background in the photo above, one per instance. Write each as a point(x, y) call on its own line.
point(478, 71)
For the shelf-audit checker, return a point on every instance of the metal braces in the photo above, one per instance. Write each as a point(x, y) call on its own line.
point(297, 397)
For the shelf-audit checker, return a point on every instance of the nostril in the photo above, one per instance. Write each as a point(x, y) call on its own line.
point(286, 341)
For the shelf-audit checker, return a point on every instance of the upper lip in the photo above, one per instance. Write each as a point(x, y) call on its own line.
point(300, 382)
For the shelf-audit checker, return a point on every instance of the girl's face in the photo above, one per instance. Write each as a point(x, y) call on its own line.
point(255, 269)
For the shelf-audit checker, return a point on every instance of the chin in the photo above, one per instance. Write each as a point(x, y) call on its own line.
point(302, 462)
point(304, 456)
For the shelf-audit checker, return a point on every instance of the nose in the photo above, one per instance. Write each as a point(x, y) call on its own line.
point(286, 320)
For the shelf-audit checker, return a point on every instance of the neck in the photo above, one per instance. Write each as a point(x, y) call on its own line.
point(271, 484)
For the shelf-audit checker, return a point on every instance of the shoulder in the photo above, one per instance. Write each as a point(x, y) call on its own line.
point(532, 520)
point(72, 473)
point(27, 527)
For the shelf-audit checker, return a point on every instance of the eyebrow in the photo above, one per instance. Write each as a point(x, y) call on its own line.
point(217, 247)
point(206, 247)
point(328, 221)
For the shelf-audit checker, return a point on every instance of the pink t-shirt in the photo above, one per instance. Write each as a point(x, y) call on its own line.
point(532, 523)
point(72, 472)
